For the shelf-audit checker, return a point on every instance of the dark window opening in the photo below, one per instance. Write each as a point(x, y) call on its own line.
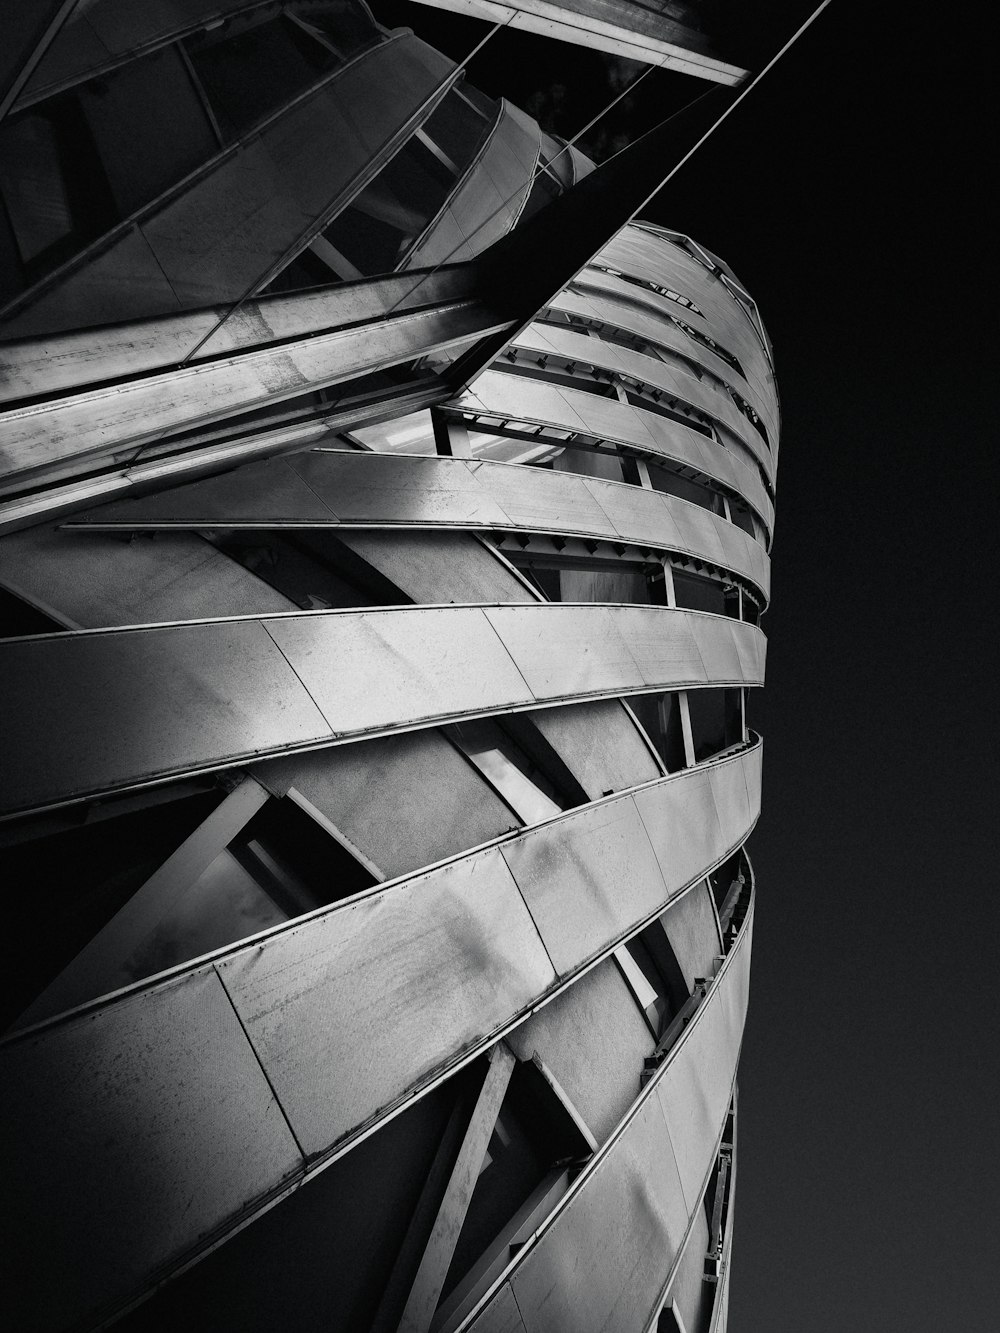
point(660, 717)
point(534, 1137)
point(297, 862)
point(690, 419)
point(716, 721)
point(577, 580)
point(280, 865)
point(454, 131)
point(63, 888)
point(667, 1322)
point(18, 617)
point(325, 1256)
point(669, 483)
point(701, 594)
point(313, 569)
point(655, 958)
point(520, 765)
point(55, 192)
point(305, 270)
point(741, 517)
point(127, 111)
point(374, 232)
point(543, 190)
point(248, 73)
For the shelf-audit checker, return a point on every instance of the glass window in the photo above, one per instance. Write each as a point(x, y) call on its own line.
point(699, 594)
point(543, 190)
point(669, 483)
point(248, 74)
point(711, 721)
point(455, 131)
point(660, 717)
point(377, 229)
point(126, 112)
point(54, 189)
point(34, 188)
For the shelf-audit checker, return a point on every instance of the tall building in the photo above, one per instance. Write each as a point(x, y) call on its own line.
point(383, 540)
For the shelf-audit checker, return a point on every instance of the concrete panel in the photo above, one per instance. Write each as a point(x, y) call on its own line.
point(60, 361)
point(193, 696)
point(719, 640)
point(92, 422)
point(591, 876)
point(692, 1294)
point(619, 309)
point(600, 745)
point(566, 650)
point(719, 314)
point(94, 580)
point(698, 823)
point(270, 492)
point(696, 1088)
point(377, 669)
point(664, 643)
point(144, 704)
point(728, 327)
point(601, 1264)
point(434, 567)
point(594, 1039)
point(348, 1011)
point(690, 926)
point(405, 801)
point(543, 500)
point(130, 1133)
point(379, 488)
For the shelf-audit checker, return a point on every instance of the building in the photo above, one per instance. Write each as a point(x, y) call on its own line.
point(383, 539)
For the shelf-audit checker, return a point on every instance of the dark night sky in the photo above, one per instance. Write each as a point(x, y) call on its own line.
point(847, 193)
